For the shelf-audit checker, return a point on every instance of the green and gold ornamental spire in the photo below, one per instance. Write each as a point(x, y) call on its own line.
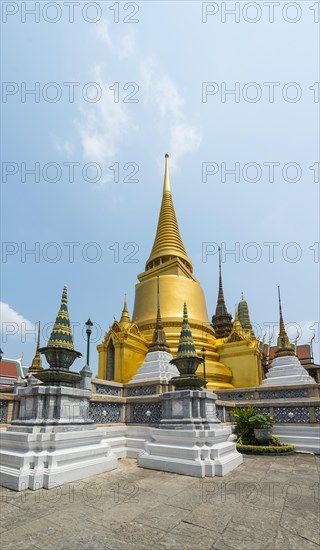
point(186, 346)
point(60, 352)
point(186, 359)
point(61, 335)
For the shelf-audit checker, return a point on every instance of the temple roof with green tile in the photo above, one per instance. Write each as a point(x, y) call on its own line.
point(61, 335)
point(186, 346)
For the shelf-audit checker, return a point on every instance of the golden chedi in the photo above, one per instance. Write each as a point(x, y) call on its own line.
point(233, 355)
point(170, 262)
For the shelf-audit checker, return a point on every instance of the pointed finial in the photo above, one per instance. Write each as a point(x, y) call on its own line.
point(159, 342)
point(159, 320)
point(125, 317)
point(242, 297)
point(158, 294)
point(166, 185)
point(220, 294)
point(279, 299)
point(282, 327)
point(38, 340)
point(284, 348)
point(221, 320)
point(167, 244)
point(36, 365)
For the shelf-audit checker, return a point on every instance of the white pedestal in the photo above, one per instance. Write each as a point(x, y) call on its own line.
point(156, 367)
point(304, 438)
point(191, 439)
point(196, 453)
point(286, 371)
point(36, 457)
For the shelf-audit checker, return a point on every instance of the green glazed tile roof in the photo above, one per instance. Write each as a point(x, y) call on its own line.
point(61, 335)
point(186, 344)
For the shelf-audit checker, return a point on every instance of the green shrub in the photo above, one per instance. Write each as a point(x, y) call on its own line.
point(244, 428)
point(260, 421)
point(265, 449)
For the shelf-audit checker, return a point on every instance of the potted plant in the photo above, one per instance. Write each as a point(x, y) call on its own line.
point(244, 429)
point(262, 427)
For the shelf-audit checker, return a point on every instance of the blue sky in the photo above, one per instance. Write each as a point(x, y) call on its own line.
point(156, 68)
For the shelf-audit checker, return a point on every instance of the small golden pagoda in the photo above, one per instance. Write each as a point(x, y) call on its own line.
point(36, 365)
point(122, 351)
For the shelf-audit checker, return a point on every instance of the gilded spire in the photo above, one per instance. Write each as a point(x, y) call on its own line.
point(61, 335)
point(284, 347)
point(222, 320)
point(168, 243)
point(244, 316)
point(186, 346)
point(125, 317)
point(237, 333)
point(36, 364)
point(159, 342)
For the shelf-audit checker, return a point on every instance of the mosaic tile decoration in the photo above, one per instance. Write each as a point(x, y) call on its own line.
point(105, 413)
point(263, 410)
point(294, 415)
point(236, 396)
point(106, 390)
point(139, 413)
point(141, 390)
point(3, 411)
point(283, 394)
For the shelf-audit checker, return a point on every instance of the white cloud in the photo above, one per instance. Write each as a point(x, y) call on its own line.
point(160, 90)
point(122, 45)
point(102, 125)
point(14, 325)
point(66, 148)
point(103, 32)
point(184, 138)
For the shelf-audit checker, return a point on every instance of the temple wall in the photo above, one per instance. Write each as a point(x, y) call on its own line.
point(244, 360)
point(113, 403)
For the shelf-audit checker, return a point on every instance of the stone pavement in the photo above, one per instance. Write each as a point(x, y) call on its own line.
point(266, 503)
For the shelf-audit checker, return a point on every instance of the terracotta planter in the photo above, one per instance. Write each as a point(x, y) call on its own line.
point(263, 435)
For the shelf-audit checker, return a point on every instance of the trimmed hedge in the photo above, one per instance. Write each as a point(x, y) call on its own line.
point(265, 449)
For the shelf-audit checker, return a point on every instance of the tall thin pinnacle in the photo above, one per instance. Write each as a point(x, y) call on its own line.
point(38, 340)
point(281, 325)
point(221, 320)
point(284, 346)
point(159, 342)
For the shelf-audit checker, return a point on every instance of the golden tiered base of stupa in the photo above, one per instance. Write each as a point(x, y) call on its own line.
point(177, 285)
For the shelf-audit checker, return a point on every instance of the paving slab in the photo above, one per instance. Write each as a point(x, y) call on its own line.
point(266, 503)
point(240, 536)
point(286, 539)
point(187, 536)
